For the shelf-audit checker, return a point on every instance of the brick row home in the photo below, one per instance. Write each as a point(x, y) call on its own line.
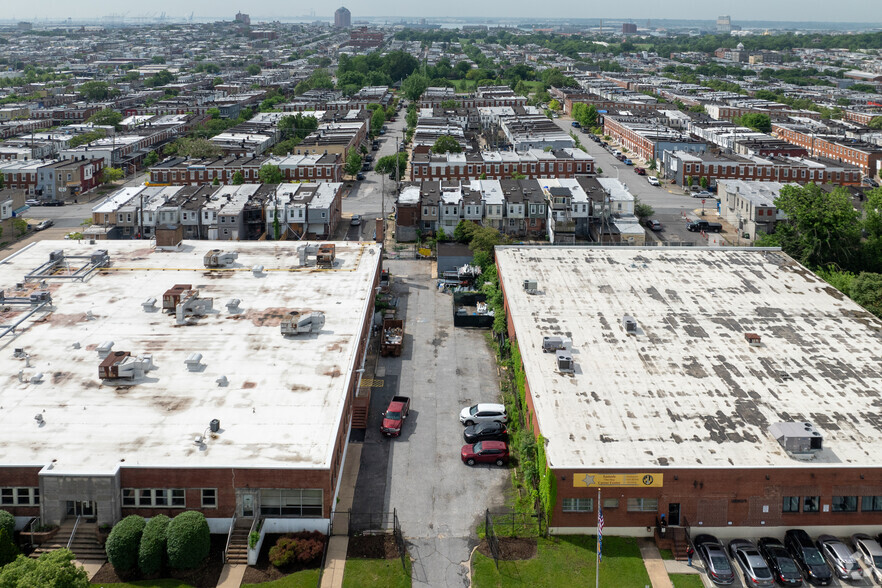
point(561, 209)
point(499, 165)
point(680, 167)
point(648, 137)
point(866, 156)
point(52, 179)
point(179, 171)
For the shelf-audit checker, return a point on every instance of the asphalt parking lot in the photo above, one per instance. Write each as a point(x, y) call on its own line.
point(740, 581)
point(439, 500)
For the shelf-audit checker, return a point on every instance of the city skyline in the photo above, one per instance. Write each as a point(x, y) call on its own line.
point(846, 11)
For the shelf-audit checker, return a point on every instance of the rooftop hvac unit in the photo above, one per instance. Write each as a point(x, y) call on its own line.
point(149, 305)
point(100, 257)
point(630, 324)
point(797, 437)
point(297, 323)
point(105, 347)
point(218, 258)
point(550, 344)
point(41, 296)
point(194, 362)
point(565, 361)
point(56, 255)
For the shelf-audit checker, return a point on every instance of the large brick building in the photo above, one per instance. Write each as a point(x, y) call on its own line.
point(498, 165)
point(143, 411)
point(684, 167)
point(722, 388)
point(866, 156)
point(180, 171)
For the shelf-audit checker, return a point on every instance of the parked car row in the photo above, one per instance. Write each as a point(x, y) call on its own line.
point(485, 434)
point(797, 559)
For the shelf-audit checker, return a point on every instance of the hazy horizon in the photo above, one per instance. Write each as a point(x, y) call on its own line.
point(844, 11)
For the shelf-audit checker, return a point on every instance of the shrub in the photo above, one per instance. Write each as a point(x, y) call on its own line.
point(151, 554)
point(123, 542)
point(7, 521)
point(8, 550)
point(303, 548)
point(189, 540)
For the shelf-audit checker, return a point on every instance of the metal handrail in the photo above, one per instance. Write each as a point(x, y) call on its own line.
point(74, 532)
point(31, 524)
point(254, 525)
point(229, 538)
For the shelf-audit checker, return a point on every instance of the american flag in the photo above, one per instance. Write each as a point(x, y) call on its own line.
point(599, 533)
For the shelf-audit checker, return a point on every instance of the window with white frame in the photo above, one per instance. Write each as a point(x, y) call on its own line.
point(577, 505)
point(20, 496)
point(209, 498)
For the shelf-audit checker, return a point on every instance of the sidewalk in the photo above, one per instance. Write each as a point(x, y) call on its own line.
point(655, 565)
point(335, 563)
point(231, 576)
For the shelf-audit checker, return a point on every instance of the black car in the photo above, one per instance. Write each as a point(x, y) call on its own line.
point(782, 565)
point(359, 176)
point(712, 554)
point(486, 431)
point(807, 557)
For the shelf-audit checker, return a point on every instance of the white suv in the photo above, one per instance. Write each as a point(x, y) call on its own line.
point(653, 181)
point(482, 413)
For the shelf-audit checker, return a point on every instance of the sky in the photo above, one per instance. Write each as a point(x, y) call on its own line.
point(639, 10)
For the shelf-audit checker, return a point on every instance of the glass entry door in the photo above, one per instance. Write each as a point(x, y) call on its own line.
point(85, 508)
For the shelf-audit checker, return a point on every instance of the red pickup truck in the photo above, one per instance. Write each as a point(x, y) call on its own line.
point(395, 415)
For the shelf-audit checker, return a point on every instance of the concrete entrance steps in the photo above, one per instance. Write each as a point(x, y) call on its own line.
point(237, 553)
point(85, 544)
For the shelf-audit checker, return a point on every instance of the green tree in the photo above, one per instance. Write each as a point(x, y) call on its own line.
point(7, 522)
point(189, 540)
point(703, 182)
point(161, 78)
point(643, 211)
point(464, 231)
point(196, 148)
point(875, 123)
point(215, 182)
point(84, 138)
point(485, 239)
point(353, 162)
point(8, 550)
point(151, 159)
point(755, 120)
point(687, 181)
point(448, 104)
point(270, 174)
point(554, 105)
point(108, 117)
point(253, 69)
point(54, 569)
point(585, 114)
point(112, 174)
point(446, 144)
point(157, 59)
point(238, 178)
point(297, 125)
point(866, 290)
point(96, 91)
point(386, 164)
point(821, 228)
point(378, 119)
point(414, 86)
point(1, 180)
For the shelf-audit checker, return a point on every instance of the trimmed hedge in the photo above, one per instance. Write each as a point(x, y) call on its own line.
point(8, 550)
point(151, 554)
point(189, 540)
point(123, 543)
point(7, 521)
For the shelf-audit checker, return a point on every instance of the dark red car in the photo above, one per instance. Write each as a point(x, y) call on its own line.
point(485, 452)
point(639, 171)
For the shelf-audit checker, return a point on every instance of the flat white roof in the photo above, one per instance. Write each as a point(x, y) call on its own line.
point(688, 390)
point(285, 396)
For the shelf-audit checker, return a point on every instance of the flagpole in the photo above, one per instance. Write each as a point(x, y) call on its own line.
point(599, 539)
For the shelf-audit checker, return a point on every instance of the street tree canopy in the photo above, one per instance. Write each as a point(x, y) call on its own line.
point(353, 162)
point(270, 174)
point(446, 144)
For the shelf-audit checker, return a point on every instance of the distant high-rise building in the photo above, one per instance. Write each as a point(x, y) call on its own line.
point(243, 18)
point(724, 24)
point(342, 18)
point(629, 28)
